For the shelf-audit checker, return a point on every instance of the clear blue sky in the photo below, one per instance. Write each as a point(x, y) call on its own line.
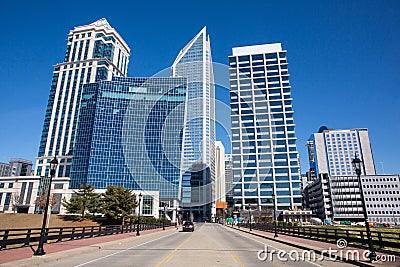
point(343, 58)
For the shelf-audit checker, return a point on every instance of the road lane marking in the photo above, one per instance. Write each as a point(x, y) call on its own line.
point(236, 259)
point(233, 231)
point(172, 254)
point(115, 253)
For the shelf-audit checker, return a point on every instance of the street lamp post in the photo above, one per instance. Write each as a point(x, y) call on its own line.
point(138, 220)
point(249, 217)
point(357, 166)
point(176, 218)
point(40, 251)
point(163, 222)
point(273, 199)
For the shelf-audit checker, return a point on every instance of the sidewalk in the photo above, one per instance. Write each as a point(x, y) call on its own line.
point(346, 254)
point(77, 246)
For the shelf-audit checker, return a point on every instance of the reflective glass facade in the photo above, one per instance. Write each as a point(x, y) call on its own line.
point(130, 133)
point(194, 62)
point(264, 152)
point(94, 52)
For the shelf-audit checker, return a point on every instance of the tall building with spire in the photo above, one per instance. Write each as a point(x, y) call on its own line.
point(194, 62)
point(94, 52)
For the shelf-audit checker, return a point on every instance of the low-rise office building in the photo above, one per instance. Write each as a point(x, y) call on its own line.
point(18, 194)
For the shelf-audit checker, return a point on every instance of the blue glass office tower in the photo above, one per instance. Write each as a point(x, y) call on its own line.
point(194, 62)
point(94, 52)
point(130, 133)
point(264, 152)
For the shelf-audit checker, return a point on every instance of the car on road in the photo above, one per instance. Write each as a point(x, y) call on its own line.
point(188, 226)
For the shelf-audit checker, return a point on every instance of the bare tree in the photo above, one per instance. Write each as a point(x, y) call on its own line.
point(41, 200)
point(15, 201)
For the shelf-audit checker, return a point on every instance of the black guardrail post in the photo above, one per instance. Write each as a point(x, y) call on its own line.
point(28, 237)
point(5, 237)
point(60, 232)
point(380, 239)
point(73, 233)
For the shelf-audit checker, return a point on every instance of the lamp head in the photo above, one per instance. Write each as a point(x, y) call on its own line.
point(53, 166)
point(357, 164)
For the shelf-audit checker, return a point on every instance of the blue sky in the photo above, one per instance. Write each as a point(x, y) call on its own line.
point(343, 58)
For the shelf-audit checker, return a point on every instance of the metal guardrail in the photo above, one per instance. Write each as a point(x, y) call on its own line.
point(381, 239)
point(15, 238)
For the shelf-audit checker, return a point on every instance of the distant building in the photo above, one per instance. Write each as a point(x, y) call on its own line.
point(330, 155)
point(229, 179)
point(331, 151)
point(20, 167)
point(219, 199)
point(264, 152)
point(296, 215)
point(5, 169)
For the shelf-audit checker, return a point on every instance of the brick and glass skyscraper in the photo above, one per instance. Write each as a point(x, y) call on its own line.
point(264, 152)
point(94, 52)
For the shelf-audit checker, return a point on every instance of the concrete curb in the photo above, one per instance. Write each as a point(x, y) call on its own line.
point(337, 257)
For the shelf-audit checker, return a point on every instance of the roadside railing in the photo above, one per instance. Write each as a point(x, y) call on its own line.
point(381, 239)
point(14, 238)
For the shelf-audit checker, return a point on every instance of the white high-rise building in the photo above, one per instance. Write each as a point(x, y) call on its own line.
point(264, 152)
point(331, 151)
point(333, 192)
point(194, 62)
point(94, 52)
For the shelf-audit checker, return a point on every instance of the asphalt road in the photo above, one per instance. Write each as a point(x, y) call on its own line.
point(208, 245)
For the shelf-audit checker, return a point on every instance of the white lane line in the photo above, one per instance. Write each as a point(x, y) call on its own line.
point(115, 253)
point(269, 245)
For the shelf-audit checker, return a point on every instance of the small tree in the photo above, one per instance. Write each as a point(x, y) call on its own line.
point(15, 201)
point(117, 202)
point(85, 199)
point(42, 198)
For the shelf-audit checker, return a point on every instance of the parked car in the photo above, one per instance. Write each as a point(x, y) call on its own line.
point(188, 227)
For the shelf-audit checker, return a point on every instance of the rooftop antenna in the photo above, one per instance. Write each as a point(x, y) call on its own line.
point(383, 170)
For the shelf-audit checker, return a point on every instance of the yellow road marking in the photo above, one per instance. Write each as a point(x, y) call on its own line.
point(172, 254)
point(236, 259)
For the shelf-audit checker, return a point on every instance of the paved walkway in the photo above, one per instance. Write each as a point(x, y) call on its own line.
point(346, 253)
point(87, 244)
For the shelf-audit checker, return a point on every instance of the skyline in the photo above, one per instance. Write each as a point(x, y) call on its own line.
point(333, 46)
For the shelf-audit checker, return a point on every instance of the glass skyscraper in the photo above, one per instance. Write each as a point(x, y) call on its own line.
point(130, 134)
point(94, 52)
point(194, 62)
point(264, 153)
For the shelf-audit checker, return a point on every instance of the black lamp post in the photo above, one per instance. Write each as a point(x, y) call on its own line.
point(40, 251)
point(273, 200)
point(357, 166)
point(176, 218)
point(249, 217)
point(138, 219)
point(163, 224)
